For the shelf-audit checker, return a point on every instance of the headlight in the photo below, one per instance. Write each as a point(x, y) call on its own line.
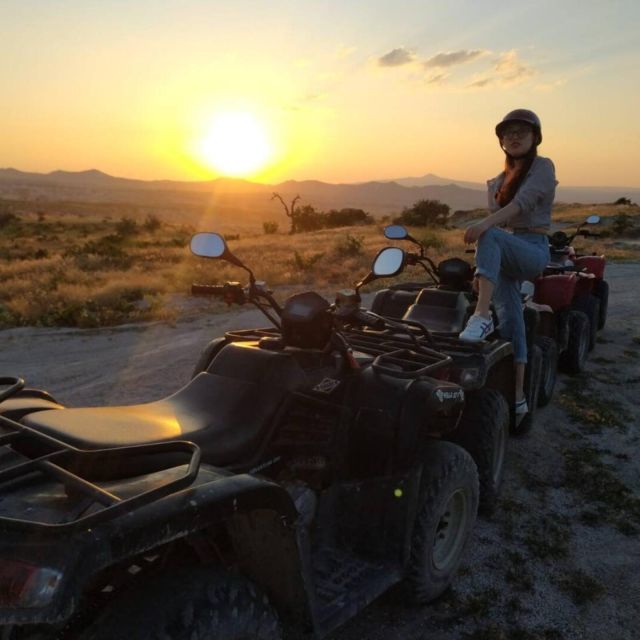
point(23, 585)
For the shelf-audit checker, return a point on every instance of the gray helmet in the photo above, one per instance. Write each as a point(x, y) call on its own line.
point(521, 115)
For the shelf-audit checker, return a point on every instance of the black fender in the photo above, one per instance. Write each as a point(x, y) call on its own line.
point(258, 514)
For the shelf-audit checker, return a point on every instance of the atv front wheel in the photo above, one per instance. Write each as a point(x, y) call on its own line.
point(549, 349)
point(483, 431)
point(574, 357)
point(200, 603)
point(444, 521)
point(532, 376)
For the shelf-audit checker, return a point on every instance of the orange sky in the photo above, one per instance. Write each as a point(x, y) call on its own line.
point(327, 91)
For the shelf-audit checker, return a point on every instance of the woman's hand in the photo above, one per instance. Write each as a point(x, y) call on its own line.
point(473, 232)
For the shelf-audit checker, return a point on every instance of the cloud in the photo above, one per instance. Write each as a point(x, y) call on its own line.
point(511, 70)
point(508, 69)
point(438, 78)
point(482, 83)
point(396, 58)
point(452, 58)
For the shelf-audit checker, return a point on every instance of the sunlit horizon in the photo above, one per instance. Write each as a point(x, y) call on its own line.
point(339, 94)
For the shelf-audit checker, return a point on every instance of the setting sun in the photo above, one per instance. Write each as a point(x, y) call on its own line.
point(236, 144)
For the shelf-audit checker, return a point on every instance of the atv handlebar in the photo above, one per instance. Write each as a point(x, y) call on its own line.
point(230, 291)
point(207, 289)
point(369, 319)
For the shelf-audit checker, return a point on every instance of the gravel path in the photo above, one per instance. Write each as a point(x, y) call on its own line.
point(561, 557)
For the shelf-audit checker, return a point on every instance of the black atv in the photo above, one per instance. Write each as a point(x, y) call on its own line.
point(297, 477)
point(443, 303)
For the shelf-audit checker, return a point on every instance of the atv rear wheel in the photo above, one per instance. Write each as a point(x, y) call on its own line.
point(484, 431)
point(200, 603)
point(574, 357)
point(549, 375)
point(602, 293)
point(444, 521)
point(590, 306)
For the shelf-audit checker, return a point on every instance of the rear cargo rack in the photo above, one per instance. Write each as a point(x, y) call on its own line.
point(63, 461)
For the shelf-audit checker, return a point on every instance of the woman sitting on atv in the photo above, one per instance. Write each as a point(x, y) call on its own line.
point(519, 198)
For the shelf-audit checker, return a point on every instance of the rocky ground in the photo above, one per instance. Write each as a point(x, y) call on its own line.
point(560, 559)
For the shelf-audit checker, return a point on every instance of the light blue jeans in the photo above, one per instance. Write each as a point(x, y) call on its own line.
point(506, 260)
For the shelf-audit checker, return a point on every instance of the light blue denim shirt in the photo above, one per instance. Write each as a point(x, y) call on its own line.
point(535, 195)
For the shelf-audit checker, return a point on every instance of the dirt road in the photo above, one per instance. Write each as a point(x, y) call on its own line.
point(561, 557)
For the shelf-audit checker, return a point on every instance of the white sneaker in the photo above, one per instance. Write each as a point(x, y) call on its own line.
point(521, 407)
point(478, 328)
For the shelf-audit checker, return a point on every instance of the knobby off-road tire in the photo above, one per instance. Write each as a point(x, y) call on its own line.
point(532, 376)
point(196, 604)
point(444, 521)
point(574, 357)
point(483, 432)
point(602, 293)
point(590, 306)
point(549, 349)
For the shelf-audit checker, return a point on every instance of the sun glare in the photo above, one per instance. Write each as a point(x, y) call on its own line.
point(236, 144)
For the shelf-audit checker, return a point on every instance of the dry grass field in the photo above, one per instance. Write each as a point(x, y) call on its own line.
point(75, 268)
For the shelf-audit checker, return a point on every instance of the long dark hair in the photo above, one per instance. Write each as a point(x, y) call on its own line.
point(514, 175)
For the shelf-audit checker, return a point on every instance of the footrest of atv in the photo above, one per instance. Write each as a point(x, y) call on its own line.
point(345, 584)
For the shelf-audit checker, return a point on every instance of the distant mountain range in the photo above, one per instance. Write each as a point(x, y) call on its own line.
point(244, 197)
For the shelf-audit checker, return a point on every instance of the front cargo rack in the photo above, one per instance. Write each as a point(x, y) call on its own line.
point(63, 463)
point(247, 335)
point(400, 354)
point(444, 343)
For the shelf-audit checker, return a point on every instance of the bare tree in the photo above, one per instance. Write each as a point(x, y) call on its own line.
point(289, 210)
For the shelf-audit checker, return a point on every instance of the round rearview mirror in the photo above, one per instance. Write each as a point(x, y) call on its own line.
point(594, 219)
point(388, 262)
point(395, 232)
point(208, 245)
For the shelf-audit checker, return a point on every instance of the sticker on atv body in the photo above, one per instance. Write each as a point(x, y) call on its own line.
point(327, 386)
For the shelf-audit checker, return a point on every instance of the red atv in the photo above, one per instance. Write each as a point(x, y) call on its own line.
point(573, 287)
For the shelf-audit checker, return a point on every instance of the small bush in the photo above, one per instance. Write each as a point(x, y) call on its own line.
point(308, 219)
point(126, 227)
point(152, 223)
point(7, 217)
point(432, 240)
point(349, 246)
point(231, 236)
point(305, 263)
point(622, 225)
point(346, 218)
point(270, 227)
point(424, 213)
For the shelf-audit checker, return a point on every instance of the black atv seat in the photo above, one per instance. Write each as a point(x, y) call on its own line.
point(440, 310)
point(227, 416)
point(393, 303)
